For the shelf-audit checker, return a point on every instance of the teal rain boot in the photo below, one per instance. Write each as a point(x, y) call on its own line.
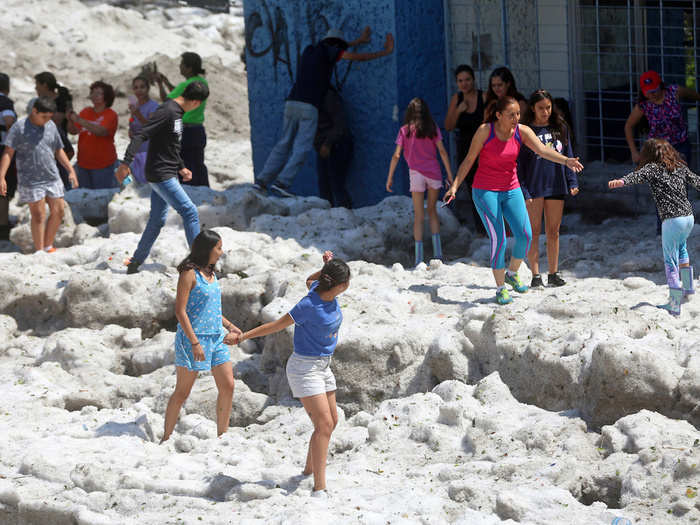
point(437, 247)
point(419, 253)
point(674, 302)
point(687, 280)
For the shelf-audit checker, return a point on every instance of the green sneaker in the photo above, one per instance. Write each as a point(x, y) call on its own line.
point(503, 297)
point(516, 283)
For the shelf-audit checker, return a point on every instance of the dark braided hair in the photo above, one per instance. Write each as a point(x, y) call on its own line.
point(333, 273)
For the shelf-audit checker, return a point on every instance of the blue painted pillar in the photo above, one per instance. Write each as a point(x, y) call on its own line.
point(375, 93)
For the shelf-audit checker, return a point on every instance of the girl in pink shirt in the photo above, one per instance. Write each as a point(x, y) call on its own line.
point(420, 139)
point(496, 189)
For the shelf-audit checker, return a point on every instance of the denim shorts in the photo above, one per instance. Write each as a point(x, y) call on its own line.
point(309, 375)
point(215, 352)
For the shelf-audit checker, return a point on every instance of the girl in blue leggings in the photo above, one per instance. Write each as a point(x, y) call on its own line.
point(667, 175)
point(496, 189)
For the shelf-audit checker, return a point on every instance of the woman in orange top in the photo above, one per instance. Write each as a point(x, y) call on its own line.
point(96, 126)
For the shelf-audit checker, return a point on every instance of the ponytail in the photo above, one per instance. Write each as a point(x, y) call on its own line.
point(333, 273)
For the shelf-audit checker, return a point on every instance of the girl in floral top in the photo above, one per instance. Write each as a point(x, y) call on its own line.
point(667, 175)
point(661, 106)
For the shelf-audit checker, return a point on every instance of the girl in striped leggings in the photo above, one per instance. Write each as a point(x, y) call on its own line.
point(496, 190)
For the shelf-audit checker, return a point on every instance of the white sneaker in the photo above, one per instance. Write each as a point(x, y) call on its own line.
point(320, 494)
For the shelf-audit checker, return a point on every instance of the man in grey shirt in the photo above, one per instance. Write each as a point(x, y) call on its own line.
point(37, 143)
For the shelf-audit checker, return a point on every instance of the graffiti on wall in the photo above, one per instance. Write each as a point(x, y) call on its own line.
point(267, 30)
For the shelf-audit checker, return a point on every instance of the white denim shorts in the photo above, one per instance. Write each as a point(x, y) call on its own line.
point(309, 376)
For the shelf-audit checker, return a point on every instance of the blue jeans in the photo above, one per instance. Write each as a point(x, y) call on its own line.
point(493, 207)
point(97, 179)
point(163, 194)
point(674, 233)
point(288, 155)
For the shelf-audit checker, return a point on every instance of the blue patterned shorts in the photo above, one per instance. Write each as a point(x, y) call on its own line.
point(215, 352)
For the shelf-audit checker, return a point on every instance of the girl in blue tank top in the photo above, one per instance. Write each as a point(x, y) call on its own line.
point(316, 319)
point(202, 331)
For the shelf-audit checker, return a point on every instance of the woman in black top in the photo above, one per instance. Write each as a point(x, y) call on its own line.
point(465, 115)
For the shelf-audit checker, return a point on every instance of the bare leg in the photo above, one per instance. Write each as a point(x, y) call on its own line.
point(223, 376)
point(309, 468)
point(514, 264)
point(56, 207)
point(553, 211)
point(319, 410)
point(183, 386)
point(534, 210)
point(432, 212)
point(418, 215)
point(38, 212)
point(499, 275)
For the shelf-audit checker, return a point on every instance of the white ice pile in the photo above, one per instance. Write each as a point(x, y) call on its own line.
point(572, 405)
point(566, 406)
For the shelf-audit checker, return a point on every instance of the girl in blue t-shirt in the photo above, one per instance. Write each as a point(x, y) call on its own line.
point(200, 341)
point(316, 318)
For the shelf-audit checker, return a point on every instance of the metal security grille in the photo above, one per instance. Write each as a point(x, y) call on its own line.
point(620, 39)
point(590, 52)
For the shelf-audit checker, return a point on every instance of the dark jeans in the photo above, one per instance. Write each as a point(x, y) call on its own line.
point(332, 173)
point(194, 140)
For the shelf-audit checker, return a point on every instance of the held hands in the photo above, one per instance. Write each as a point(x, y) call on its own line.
point(616, 183)
point(233, 336)
point(327, 256)
point(573, 164)
point(185, 174)
point(122, 172)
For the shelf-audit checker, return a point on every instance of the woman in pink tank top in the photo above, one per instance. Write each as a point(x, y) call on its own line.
point(496, 190)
